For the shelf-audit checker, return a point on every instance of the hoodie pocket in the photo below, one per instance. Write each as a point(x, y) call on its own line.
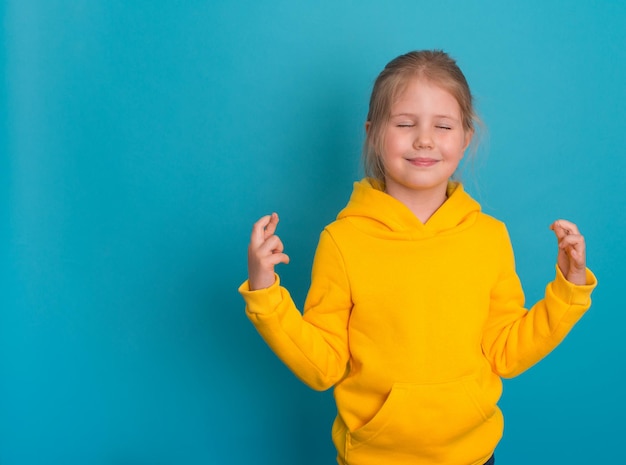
point(419, 419)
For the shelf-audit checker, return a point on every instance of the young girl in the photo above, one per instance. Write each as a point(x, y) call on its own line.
point(415, 310)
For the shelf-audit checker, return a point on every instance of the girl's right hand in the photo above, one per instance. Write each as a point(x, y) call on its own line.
point(264, 253)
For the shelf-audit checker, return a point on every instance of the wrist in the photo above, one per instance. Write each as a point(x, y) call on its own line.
point(258, 283)
point(578, 277)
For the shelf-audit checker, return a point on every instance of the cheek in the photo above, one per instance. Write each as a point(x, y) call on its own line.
point(395, 143)
point(456, 147)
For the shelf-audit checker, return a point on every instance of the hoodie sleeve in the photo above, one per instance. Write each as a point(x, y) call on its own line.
point(514, 338)
point(314, 345)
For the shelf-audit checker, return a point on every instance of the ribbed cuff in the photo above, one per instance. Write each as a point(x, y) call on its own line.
point(262, 300)
point(572, 293)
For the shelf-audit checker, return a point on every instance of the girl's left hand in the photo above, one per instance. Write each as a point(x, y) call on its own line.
point(571, 258)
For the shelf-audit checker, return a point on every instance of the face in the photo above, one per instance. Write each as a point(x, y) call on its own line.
point(424, 141)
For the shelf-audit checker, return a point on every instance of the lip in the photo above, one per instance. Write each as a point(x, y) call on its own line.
point(423, 162)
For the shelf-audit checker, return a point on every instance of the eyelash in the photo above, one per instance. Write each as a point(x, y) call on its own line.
point(447, 128)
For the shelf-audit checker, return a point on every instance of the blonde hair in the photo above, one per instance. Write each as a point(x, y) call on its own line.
point(434, 65)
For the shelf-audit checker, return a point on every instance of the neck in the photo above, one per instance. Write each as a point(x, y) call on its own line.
point(423, 204)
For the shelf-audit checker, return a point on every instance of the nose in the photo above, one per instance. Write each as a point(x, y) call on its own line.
point(423, 139)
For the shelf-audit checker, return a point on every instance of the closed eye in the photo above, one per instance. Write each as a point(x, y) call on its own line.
point(448, 128)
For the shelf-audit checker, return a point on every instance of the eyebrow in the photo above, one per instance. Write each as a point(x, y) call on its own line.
point(412, 115)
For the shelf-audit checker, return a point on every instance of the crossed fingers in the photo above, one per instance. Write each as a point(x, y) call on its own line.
point(572, 250)
point(264, 252)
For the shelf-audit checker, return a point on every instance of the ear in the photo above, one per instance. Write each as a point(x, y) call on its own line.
point(469, 135)
point(368, 125)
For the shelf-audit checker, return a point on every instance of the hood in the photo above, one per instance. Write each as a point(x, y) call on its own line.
point(375, 212)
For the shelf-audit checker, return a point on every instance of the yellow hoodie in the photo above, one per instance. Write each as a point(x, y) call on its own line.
point(414, 324)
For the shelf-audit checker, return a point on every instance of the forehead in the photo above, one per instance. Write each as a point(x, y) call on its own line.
point(420, 92)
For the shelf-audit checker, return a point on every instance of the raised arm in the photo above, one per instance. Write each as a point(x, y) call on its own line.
point(313, 346)
point(514, 339)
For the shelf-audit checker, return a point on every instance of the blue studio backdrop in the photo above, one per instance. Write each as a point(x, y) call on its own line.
point(140, 140)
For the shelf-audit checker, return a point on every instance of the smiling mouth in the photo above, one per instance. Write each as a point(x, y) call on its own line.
point(423, 162)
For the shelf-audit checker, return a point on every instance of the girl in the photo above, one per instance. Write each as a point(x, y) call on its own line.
point(415, 310)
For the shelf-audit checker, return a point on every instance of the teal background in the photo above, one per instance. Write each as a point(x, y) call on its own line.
point(140, 141)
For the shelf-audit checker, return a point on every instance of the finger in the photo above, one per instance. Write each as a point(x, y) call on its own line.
point(268, 262)
point(576, 260)
point(559, 231)
point(572, 240)
point(564, 228)
point(277, 258)
point(271, 226)
point(258, 231)
point(573, 245)
point(270, 246)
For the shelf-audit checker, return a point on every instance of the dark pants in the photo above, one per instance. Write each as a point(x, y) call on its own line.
point(491, 461)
